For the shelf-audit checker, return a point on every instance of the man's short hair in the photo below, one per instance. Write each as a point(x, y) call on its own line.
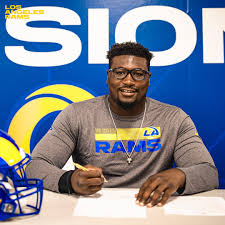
point(129, 48)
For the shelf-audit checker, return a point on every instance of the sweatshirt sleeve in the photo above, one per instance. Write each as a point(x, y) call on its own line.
point(193, 158)
point(53, 151)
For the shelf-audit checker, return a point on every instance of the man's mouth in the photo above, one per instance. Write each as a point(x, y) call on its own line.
point(127, 90)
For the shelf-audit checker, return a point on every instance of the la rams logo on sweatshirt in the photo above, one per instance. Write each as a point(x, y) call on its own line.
point(109, 140)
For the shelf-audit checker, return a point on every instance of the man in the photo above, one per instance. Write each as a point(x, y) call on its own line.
point(125, 137)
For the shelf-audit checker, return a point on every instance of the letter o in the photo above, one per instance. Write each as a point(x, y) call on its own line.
point(186, 34)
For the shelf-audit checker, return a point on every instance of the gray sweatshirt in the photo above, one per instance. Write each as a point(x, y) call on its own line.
point(85, 130)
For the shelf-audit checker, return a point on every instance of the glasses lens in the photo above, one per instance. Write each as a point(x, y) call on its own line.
point(119, 73)
point(139, 74)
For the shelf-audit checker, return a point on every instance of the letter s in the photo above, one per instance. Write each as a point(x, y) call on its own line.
point(154, 145)
point(70, 42)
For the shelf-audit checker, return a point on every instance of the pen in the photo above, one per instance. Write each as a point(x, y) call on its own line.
point(84, 169)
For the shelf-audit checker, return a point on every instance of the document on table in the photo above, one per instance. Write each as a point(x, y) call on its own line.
point(196, 206)
point(110, 204)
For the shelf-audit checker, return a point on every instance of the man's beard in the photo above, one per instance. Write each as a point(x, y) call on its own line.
point(126, 105)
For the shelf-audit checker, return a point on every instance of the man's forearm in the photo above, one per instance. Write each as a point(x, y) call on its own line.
point(50, 174)
point(201, 177)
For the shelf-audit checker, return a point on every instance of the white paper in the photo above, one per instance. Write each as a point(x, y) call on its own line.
point(110, 204)
point(196, 206)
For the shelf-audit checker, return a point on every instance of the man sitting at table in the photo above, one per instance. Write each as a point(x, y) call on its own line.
point(128, 138)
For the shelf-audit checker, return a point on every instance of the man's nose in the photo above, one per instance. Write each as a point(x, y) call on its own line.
point(128, 79)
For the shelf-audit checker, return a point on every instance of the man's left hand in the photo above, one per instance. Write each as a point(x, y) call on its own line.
point(159, 187)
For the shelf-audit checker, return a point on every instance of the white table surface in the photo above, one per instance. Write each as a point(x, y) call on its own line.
point(58, 209)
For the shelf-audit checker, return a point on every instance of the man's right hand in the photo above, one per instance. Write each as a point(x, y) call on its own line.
point(87, 182)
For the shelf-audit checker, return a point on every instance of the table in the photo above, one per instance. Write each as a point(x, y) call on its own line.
point(58, 209)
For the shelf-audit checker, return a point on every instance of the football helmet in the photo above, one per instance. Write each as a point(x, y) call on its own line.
point(19, 196)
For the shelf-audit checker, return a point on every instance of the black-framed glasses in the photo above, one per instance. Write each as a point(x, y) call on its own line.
point(136, 74)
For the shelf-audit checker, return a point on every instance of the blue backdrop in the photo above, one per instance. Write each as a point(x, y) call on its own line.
point(186, 37)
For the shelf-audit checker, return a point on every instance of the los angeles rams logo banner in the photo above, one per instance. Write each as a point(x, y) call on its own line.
point(54, 53)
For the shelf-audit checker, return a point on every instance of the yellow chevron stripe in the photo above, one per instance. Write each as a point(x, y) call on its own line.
point(127, 134)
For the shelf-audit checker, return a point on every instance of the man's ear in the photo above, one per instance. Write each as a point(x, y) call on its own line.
point(149, 79)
